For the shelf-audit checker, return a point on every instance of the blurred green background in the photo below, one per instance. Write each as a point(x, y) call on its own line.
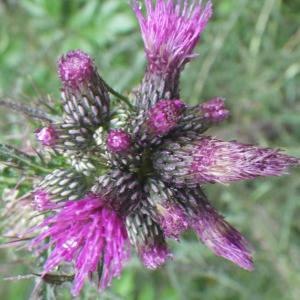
point(249, 54)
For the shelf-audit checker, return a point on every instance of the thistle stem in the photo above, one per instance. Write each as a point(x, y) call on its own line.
point(118, 95)
point(29, 111)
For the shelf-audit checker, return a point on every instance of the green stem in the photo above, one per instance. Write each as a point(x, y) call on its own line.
point(31, 164)
point(119, 96)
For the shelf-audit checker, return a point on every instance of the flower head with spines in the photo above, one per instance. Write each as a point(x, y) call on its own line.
point(135, 174)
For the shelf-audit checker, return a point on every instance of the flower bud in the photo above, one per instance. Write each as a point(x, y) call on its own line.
point(164, 116)
point(84, 95)
point(118, 141)
point(47, 136)
point(148, 240)
point(194, 160)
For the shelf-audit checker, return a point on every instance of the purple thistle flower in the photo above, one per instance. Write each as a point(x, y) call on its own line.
point(85, 97)
point(118, 140)
point(218, 161)
point(75, 69)
point(148, 239)
point(42, 201)
point(218, 235)
point(87, 233)
point(169, 213)
point(145, 175)
point(197, 119)
point(155, 255)
point(214, 110)
point(192, 160)
point(173, 220)
point(164, 116)
point(47, 136)
point(171, 31)
point(221, 237)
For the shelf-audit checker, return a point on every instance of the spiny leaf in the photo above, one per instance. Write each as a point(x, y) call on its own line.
point(28, 111)
point(12, 156)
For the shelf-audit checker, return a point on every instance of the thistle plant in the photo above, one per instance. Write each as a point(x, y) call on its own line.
point(133, 168)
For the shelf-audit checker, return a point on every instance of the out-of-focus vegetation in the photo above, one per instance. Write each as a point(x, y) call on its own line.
point(249, 54)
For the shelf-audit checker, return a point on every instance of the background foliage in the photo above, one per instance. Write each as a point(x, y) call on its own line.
point(250, 54)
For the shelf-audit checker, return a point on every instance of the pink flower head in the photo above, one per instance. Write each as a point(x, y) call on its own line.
point(171, 31)
point(194, 160)
point(173, 220)
point(155, 255)
point(218, 161)
point(148, 239)
point(46, 136)
point(41, 200)
point(118, 141)
point(88, 234)
point(214, 110)
point(164, 116)
point(222, 238)
point(75, 68)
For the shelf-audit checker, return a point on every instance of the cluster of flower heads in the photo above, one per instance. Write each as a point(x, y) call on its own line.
point(135, 173)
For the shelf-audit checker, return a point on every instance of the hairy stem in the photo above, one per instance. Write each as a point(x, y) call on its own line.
point(29, 111)
point(119, 96)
